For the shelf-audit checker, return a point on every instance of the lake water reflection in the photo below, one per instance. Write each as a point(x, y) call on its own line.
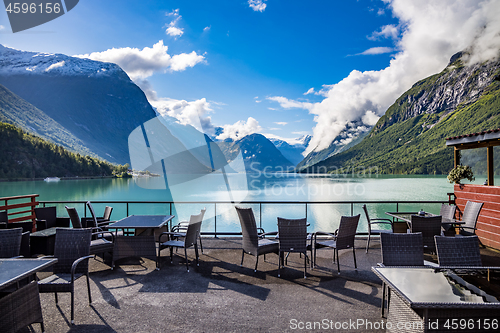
point(261, 188)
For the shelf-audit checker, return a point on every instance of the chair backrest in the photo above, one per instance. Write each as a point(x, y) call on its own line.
point(347, 232)
point(471, 213)
point(193, 230)
point(402, 249)
point(4, 217)
point(429, 226)
point(367, 219)
point(10, 242)
point(74, 217)
point(248, 230)
point(48, 214)
point(27, 226)
point(107, 213)
point(71, 244)
point(458, 251)
point(292, 235)
point(448, 211)
point(93, 221)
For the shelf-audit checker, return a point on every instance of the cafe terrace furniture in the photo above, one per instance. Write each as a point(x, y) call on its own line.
point(46, 217)
point(469, 218)
point(400, 250)
point(101, 241)
point(430, 300)
point(72, 250)
point(189, 239)
point(458, 251)
point(376, 221)
point(21, 307)
point(429, 226)
point(26, 226)
point(42, 242)
point(143, 243)
point(10, 242)
point(254, 243)
point(448, 213)
point(342, 238)
point(181, 228)
point(292, 239)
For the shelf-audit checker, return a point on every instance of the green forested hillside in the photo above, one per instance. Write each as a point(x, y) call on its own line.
point(23, 155)
point(410, 138)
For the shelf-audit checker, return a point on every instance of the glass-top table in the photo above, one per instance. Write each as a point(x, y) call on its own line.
point(13, 270)
point(437, 297)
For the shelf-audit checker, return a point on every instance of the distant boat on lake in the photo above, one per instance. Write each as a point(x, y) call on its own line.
point(52, 179)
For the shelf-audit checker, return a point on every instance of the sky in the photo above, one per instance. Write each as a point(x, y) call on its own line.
point(282, 68)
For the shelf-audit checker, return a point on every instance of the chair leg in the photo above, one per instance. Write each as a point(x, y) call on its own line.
point(42, 327)
point(314, 258)
point(57, 301)
point(186, 255)
point(256, 263)
point(73, 305)
point(171, 254)
point(368, 242)
point(88, 288)
point(354, 255)
point(338, 261)
point(279, 263)
point(305, 264)
point(242, 255)
point(201, 245)
point(383, 300)
point(196, 253)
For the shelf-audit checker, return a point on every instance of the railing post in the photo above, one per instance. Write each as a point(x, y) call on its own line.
point(260, 214)
point(215, 219)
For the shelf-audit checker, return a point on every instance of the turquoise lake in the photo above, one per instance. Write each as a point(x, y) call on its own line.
point(259, 188)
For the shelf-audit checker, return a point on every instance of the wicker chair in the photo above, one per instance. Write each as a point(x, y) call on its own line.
point(342, 238)
point(46, 217)
point(471, 213)
point(26, 227)
point(375, 231)
point(72, 248)
point(254, 243)
point(190, 239)
point(181, 228)
point(429, 226)
point(458, 251)
point(400, 250)
point(10, 242)
point(448, 213)
point(4, 218)
point(292, 238)
point(101, 241)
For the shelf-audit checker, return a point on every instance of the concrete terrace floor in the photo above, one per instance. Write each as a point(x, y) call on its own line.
point(221, 296)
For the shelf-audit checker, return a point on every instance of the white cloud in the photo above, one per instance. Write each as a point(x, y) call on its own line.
point(310, 91)
point(281, 123)
point(174, 31)
point(289, 104)
point(140, 64)
point(240, 129)
point(257, 5)
point(207, 28)
point(172, 28)
point(430, 32)
point(193, 113)
point(377, 50)
point(387, 31)
point(2, 27)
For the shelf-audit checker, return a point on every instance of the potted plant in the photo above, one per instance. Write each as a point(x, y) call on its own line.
point(460, 172)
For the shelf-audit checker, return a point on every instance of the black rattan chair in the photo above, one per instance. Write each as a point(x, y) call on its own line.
point(254, 243)
point(72, 249)
point(190, 239)
point(376, 221)
point(102, 241)
point(46, 217)
point(400, 250)
point(292, 238)
point(429, 226)
point(458, 251)
point(10, 242)
point(471, 213)
point(181, 228)
point(342, 238)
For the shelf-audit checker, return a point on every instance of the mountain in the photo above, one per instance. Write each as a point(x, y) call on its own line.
point(349, 137)
point(410, 137)
point(292, 152)
point(94, 101)
point(16, 111)
point(259, 154)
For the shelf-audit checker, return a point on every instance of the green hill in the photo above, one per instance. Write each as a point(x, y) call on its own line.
point(410, 137)
point(23, 155)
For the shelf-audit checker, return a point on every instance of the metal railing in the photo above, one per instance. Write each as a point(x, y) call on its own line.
point(307, 206)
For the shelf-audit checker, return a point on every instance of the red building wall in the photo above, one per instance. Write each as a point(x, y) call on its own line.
point(488, 223)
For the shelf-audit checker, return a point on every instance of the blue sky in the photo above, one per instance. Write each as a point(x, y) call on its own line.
point(229, 61)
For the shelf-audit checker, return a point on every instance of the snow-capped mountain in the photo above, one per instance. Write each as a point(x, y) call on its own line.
point(292, 151)
point(15, 62)
point(95, 101)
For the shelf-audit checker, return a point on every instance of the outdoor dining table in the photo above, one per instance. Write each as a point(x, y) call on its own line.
point(142, 244)
point(406, 216)
point(436, 300)
point(20, 307)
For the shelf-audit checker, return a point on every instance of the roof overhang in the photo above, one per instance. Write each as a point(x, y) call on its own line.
point(476, 140)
